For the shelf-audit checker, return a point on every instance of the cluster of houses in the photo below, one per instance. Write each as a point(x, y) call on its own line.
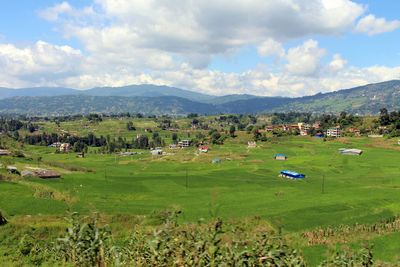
point(304, 128)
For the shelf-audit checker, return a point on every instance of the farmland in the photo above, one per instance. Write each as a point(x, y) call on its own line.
point(338, 189)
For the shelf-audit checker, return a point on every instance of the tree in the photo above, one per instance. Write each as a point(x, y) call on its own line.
point(174, 137)
point(256, 134)
point(130, 126)
point(216, 138)
point(384, 117)
point(192, 115)
point(232, 130)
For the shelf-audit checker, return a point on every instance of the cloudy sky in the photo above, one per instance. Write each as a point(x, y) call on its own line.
point(262, 47)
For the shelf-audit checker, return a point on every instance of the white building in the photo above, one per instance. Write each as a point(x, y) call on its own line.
point(184, 143)
point(334, 132)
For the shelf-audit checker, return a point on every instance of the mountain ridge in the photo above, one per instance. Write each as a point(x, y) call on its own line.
point(363, 100)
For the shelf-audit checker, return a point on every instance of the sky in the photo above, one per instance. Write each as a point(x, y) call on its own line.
point(261, 47)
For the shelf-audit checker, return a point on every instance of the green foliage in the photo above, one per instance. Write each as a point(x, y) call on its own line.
point(85, 243)
point(349, 258)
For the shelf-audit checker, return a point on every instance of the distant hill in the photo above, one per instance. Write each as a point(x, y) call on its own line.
point(217, 100)
point(84, 104)
point(36, 91)
point(363, 100)
point(148, 90)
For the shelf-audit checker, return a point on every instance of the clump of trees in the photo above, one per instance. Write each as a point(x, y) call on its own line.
point(216, 137)
point(391, 121)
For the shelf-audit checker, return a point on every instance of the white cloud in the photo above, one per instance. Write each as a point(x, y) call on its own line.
point(196, 31)
point(38, 63)
point(305, 60)
point(372, 25)
point(337, 64)
point(52, 13)
point(271, 48)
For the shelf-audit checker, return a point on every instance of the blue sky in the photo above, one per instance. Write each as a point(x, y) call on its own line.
point(274, 47)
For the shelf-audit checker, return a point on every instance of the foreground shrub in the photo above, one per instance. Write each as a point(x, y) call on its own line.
point(87, 244)
point(246, 243)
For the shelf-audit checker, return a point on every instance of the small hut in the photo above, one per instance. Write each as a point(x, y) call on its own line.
point(350, 151)
point(280, 157)
point(81, 154)
point(12, 170)
point(292, 175)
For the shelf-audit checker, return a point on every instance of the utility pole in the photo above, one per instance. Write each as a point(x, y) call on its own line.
point(187, 182)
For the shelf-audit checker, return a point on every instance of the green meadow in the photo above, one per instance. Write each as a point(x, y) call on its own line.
point(338, 189)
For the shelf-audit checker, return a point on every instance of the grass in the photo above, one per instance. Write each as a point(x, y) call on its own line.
point(362, 189)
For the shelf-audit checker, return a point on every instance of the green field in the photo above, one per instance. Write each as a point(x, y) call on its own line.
point(357, 189)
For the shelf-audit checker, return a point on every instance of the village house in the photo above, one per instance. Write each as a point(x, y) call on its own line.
point(334, 132)
point(269, 128)
point(280, 157)
point(155, 152)
point(317, 125)
point(173, 146)
point(64, 147)
point(304, 128)
point(184, 143)
point(251, 144)
point(203, 149)
point(355, 131)
point(4, 152)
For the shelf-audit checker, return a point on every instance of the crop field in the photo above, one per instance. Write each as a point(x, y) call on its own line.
point(338, 189)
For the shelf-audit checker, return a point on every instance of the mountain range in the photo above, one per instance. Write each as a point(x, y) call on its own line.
point(158, 100)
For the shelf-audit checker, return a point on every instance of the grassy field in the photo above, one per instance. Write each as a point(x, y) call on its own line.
point(357, 189)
